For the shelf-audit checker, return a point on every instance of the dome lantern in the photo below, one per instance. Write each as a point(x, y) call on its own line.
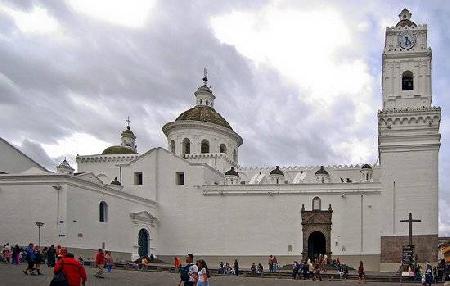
point(204, 95)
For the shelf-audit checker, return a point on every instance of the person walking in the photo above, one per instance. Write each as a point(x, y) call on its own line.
point(99, 263)
point(203, 273)
point(109, 261)
point(236, 267)
point(176, 263)
point(29, 257)
point(361, 274)
point(189, 272)
point(15, 254)
point(51, 255)
point(37, 260)
point(73, 270)
point(275, 264)
point(428, 274)
point(7, 253)
point(270, 263)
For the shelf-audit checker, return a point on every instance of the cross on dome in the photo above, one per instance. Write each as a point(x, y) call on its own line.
point(128, 121)
point(205, 76)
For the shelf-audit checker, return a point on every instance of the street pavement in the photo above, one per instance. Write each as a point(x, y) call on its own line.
point(11, 275)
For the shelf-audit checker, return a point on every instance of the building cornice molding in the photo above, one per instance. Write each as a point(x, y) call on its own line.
point(294, 189)
point(68, 180)
point(99, 158)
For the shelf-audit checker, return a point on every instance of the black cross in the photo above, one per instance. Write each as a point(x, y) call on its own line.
point(410, 220)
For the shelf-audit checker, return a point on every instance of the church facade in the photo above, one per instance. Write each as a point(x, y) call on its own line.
point(195, 197)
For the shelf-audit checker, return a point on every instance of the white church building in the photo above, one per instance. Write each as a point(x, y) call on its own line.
point(195, 197)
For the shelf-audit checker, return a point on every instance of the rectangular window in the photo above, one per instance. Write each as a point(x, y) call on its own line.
point(138, 178)
point(289, 247)
point(179, 178)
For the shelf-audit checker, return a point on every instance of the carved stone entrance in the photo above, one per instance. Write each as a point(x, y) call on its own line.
point(316, 228)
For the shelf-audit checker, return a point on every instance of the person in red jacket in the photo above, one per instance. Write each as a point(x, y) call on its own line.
point(100, 263)
point(72, 269)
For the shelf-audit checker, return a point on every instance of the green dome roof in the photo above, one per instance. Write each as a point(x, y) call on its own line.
point(118, 150)
point(204, 113)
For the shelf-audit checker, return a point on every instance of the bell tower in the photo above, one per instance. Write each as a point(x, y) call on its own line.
point(406, 65)
point(408, 142)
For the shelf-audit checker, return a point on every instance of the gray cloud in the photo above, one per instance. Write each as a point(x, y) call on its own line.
point(37, 153)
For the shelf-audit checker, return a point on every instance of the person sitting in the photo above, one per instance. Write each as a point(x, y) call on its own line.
point(260, 270)
point(253, 269)
point(221, 269)
point(145, 263)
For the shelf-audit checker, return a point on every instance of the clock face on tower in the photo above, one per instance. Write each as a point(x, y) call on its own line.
point(406, 40)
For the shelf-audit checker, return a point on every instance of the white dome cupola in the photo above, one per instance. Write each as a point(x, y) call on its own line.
point(200, 134)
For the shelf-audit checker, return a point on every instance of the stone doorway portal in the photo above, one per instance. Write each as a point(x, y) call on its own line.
point(316, 228)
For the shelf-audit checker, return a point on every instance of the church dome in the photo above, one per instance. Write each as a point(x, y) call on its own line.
point(117, 149)
point(204, 113)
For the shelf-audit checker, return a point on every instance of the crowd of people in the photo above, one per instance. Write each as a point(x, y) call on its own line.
point(66, 268)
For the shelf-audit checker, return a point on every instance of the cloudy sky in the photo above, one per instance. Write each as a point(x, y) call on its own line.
point(298, 80)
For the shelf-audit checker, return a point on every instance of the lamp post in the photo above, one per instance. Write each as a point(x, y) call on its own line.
point(39, 224)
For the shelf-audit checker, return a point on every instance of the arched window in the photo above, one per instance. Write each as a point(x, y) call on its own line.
point(316, 204)
point(186, 146)
point(222, 148)
point(407, 80)
point(206, 102)
point(205, 147)
point(172, 146)
point(235, 155)
point(103, 212)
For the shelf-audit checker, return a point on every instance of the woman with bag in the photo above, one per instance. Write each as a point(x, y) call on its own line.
point(203, 273)
point(69, 272)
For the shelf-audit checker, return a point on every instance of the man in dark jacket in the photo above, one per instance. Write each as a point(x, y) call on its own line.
point(51, 255)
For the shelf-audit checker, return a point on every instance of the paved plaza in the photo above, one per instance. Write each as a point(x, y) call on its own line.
point(12, 275)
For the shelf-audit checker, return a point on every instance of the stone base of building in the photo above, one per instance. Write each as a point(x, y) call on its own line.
point(371, 261)
point(89, 254)
point(425, 248)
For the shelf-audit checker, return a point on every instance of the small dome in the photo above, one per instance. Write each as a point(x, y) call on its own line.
point(366, 166)
point(118, 150)
point(115, 182)
point(277, 171)
point(321, 171)
point(65, 164)
point(231, 172)
point(204, 114)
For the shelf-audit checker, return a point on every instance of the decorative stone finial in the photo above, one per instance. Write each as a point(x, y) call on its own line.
point(405, 15)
